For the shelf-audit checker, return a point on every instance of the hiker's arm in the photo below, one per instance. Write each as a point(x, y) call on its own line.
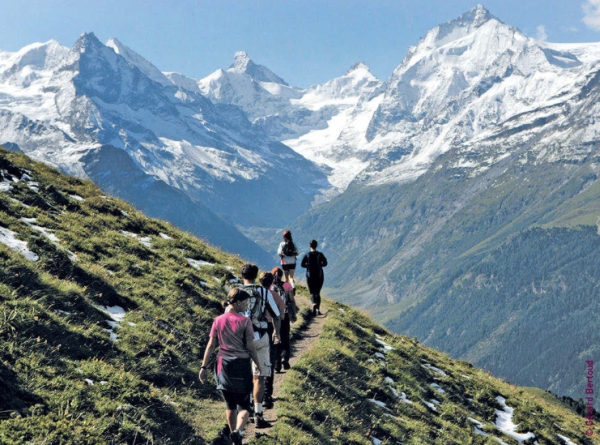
point(252, 350)
point(304, 261)
point(210, 347)
point(277, 325)
point(274, 311)
point(323, 261)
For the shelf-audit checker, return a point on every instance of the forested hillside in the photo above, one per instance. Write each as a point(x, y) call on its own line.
point(403, 246)
point(538, 292)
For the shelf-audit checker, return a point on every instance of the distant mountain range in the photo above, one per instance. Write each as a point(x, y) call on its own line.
point(482, 140)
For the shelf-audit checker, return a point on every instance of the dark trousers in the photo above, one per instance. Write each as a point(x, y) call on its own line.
point(314, 287)
point(283, 348)
point(273, 356)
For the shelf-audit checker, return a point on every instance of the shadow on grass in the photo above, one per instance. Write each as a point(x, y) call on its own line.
point(13, 396)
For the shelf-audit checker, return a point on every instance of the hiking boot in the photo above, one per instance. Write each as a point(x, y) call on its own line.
point(268, 403)
point(319, 311)
point(286, 365)
point(235, 438)
point(260, 422)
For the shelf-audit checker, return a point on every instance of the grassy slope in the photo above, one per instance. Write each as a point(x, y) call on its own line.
point(151, 392)
point(324, 397)
point(145, 389)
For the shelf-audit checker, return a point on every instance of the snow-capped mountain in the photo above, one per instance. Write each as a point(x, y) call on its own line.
point(466, 82)
point(57, 104)
point(311, 120)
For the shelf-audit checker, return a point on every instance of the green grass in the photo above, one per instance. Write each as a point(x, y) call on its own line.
point(325, 396)
point(54, 342)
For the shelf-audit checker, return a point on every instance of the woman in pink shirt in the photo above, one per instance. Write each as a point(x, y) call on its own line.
point(234, 335)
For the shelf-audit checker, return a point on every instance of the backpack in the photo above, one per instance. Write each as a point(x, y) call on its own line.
point(289, 249)
point(257, 306)
point(281, 291)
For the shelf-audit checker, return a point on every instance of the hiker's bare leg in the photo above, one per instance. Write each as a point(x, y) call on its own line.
point(259, 389)
point(232, 415)
point(242, 419)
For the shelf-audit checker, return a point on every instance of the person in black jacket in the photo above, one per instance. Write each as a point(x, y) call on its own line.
point(314, 262)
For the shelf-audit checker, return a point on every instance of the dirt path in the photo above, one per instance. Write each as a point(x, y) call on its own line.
point(306, 340)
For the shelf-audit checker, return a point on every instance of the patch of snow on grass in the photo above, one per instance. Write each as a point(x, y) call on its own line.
point(480, 432)
point(378, 403)
point(433, 368)
point(5, 186)
point(8, 237)
point(44, 231)
point(567, 440)
point(389, 380)
point(375, 441)
point(76, 197)
point(505, 424)
point(117, 313)
point(89, 382)
point(475, 421)
point(385, 345)
point(404, 398)
point(164, 236)
point(379, 354)
point(429, 405)
point(145, 240)
point(438, 388)
point(58, 311)
point(198, 263)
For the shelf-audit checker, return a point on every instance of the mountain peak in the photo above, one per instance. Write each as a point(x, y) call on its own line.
point(87, 40)
point(242, 64)
point(477, 16)
point(358, 66)
point(468, 23)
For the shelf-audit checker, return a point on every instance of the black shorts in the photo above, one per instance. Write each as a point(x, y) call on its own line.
point(236, 400)
point(288, 266)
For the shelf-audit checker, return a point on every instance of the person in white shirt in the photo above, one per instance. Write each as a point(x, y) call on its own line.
point(261, 301)
point(288, 252)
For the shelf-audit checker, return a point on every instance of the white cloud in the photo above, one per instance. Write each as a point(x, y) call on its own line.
point(591, 10)
point(541, 33)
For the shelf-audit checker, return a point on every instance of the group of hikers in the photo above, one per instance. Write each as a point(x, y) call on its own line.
point(254, 333)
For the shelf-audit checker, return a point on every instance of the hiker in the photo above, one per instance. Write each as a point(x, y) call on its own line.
point(260, 303)
point(314, 262)
point(234, 335)
point(287, 252)
point(266, 281)
point(284, 289)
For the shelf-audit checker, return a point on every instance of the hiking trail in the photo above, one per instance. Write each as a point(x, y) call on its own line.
point(304, 341)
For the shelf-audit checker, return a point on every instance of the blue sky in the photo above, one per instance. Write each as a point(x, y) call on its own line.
point(303, 41)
